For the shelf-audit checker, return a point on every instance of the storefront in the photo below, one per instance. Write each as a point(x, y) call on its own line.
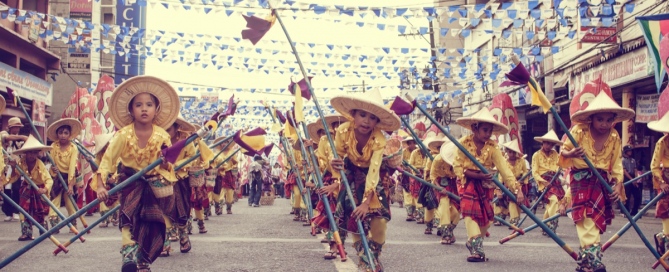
point(36, 94)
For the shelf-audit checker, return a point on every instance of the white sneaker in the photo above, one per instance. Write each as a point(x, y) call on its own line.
point(8, 218)
point(16, 217)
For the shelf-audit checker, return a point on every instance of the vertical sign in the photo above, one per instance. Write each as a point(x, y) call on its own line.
point(78, 58)
point(128, 14)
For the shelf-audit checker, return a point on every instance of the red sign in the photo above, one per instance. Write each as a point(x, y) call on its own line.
point(599, 34)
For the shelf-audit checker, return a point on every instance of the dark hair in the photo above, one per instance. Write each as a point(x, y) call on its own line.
point(61, 128)
point(153, 98)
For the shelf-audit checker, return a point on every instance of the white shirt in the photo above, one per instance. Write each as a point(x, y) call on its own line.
point(276, 172)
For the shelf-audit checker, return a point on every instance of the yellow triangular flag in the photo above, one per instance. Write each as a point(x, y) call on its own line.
point(299, 115)
point(538, 96)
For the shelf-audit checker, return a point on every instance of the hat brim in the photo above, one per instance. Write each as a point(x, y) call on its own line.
point(184, 125)
point(168, 100)
point(315, 126)
point(75, 128)
point(583, 116)
point(37, 148)
point(513, 149)
point(553, 141)
point(388, 120)
point(497, 127)
point(103, 141)
point(448, 152)
point(658, 126)
point(435, 144)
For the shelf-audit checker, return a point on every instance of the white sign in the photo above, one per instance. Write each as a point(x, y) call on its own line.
point(618, 71)
point(79, 63)
point(25, 85)
point(646, 107)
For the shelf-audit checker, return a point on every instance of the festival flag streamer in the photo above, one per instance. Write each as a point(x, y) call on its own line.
point(172, 153)
point(257, 27)
point(402, 107)
point(253, 141)
point(13, 96)
point(654, 29)
point(520, 76)
point(299, 105)
point(304, 89)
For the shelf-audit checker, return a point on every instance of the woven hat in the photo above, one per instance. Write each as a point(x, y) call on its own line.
point(370, 102)
point(32, 144)
point(550, 137)
point(602, 103)
point(315, 126)
point(661, 125)
point(14, 122)
point(183, 124)
point(75, 128)
point(3, 104)
point(513, 145)
point(101, 141)
point(167, 97)
point(433, 142)
point(448, 152)
point(483, 116)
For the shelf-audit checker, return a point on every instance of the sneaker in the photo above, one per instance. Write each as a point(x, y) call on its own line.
point(8, 218)
point(16, 217)
point(256, 205)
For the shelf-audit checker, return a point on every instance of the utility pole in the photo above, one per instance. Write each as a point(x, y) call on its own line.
point(433, 53)
point(363, 87)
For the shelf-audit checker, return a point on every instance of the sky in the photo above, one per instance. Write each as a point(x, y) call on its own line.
point(301, 30)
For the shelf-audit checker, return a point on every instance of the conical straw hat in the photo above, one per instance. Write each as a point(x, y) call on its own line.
point(513, 145)
point(183, 124)
point(168, 100)
point(101, 141)
point(318, 124)
point(550, 136)
point(483, 116)
point(661, 125)
point(435, 141)
point(370, 102)
point(602, 103)
point(75, 128)
point(32, 144)
point(448, 152)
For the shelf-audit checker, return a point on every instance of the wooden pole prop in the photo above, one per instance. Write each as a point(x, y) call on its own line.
point(48, 156)
point(534, 205)
point(228, 158)
point(88, 156)
point(501, 186)
point(88, 206)
point(324, 198)
point(528, 229)
point(44, 197)
point(222, 149)
point(112, 211)
point(637, 178)
point(82, 149)
point(627, 226)
point(361, 230)
point(197, 154)
point(456, 198)
point(306, 157)
point(32, 220)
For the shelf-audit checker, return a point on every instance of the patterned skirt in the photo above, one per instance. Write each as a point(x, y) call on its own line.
point(451, 185)
point(590, 198)
point(321, 220)
point(32, 203)
point(141, 212)
point(182, 201)
point(555, 188)
point(414, 185)
point(428, 197)
point(357, 178)
point(662, 207)
point(476, 202)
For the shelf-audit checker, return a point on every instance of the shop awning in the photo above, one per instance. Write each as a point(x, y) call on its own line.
point(561, 78)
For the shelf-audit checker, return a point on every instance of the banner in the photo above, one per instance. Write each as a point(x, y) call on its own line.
point(79, 57)
point(39, 113)
point(26, 85)
point(102, 93)
point(627, 68)
point(646, 107)
point(128, 14)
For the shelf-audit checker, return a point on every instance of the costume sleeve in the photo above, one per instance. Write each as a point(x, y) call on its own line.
point(505, 171)
point(71, 171)
point(567, 146)
point(46, 178)
point(655, 163)
point(536, 166)
point(458, 166)
point(110, 157)
point(437, 169)
point(617, 161)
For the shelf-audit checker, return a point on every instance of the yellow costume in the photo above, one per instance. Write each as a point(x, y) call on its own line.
point(66, 164)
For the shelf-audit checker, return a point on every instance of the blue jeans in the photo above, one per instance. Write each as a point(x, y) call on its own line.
point(255, 192)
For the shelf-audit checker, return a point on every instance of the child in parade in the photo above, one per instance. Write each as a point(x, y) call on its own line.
point(592, 205)
point(101, 143)
point(442, 174)
point(544, 167)
point(142, 107)
point(519, 169)
point(661, 180)
point(476, 203)
point(65, 155)
point(360, 144)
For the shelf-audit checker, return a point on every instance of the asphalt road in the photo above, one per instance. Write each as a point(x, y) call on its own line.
point(266, 239)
